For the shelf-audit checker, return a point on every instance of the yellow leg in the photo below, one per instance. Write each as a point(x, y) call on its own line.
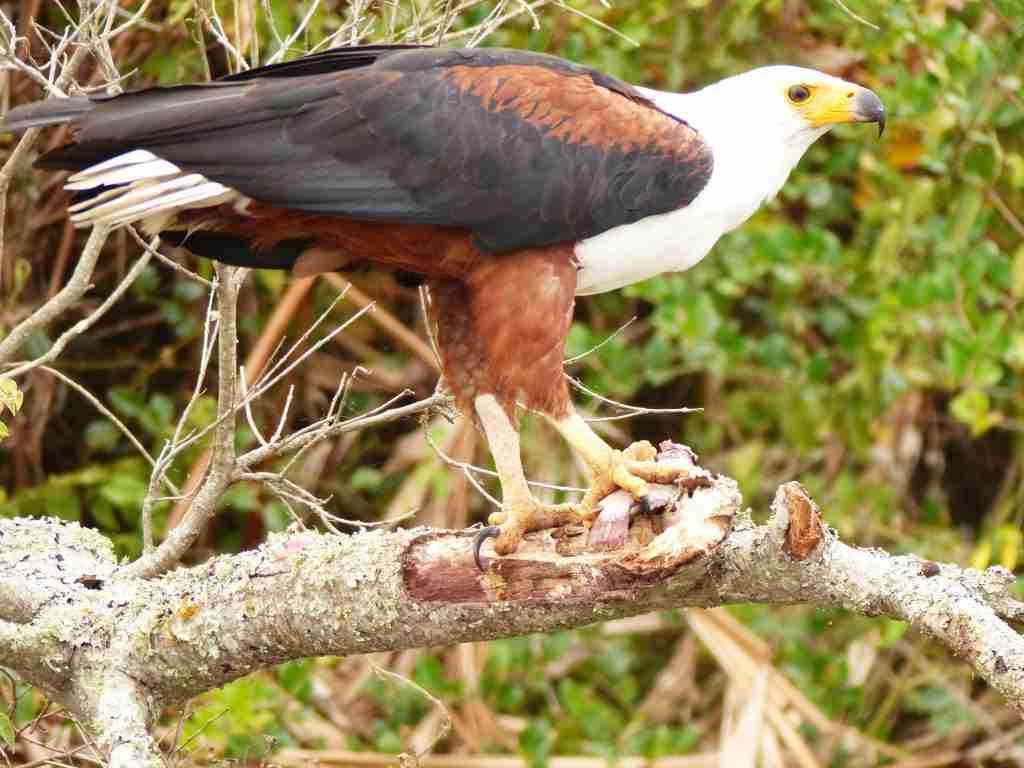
point(520, 511)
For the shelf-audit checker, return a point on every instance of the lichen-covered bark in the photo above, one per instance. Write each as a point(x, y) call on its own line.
point(120, 645)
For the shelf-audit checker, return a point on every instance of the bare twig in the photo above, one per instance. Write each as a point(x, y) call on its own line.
point(1005, 211)
point(220, 473)
point(171, 447)
point(154, 251)
point(55, 307)
point(107, 413)
point(284, 46)
point(854, 16)
point(593, 349)
point(207, 11)
point(291, 491)
point(255, 362)
point(630, 410)
point(446, 724)
point(392, 325)
point(276, 373)
point(87, 322)
point(321, 430)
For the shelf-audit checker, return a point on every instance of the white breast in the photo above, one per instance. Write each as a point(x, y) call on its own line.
point(670, 242)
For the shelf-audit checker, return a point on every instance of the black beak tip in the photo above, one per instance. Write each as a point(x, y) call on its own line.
point(870, 109)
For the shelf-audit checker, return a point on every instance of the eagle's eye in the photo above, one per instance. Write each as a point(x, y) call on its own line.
point(798, 93)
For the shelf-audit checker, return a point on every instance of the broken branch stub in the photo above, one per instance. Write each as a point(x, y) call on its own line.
point(804, 531)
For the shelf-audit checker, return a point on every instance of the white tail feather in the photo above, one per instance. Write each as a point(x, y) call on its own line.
point(145, 185)
point(128, 158)
point(209, 193)
point(94, 200)
point(125, 175)
point(138, 193)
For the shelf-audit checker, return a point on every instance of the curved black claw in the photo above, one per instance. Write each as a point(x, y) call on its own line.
point(645, 505)
point(490, 532)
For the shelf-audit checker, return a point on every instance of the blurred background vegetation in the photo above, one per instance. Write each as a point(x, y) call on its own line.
point(862, 334)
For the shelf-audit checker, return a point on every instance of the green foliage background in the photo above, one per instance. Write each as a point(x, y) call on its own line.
point(863, 334)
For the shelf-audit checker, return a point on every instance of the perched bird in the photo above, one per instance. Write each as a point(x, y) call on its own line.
point(511, 181)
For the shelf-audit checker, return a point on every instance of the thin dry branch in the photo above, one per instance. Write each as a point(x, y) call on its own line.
point(255, 363)
point(80, 282)
point(55, 76)
point(108, 414)
point(220, 473)
point(388, 322)
point(330, 427)
point(89, 320)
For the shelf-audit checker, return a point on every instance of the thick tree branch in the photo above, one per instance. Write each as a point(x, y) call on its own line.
point(144, 643)
point(121, 720)
point(64, 553)
point(32, 652)
point(220, 473)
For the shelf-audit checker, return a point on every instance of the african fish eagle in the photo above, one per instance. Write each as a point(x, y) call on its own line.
point(511, 181)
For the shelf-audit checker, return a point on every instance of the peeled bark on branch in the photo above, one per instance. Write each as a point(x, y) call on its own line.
point(127, 646)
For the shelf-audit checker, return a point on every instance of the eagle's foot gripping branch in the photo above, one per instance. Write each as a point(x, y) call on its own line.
point(520, 516)
point(632, 470)
point(638, 479)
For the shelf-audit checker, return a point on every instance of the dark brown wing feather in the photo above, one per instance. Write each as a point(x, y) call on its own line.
point(324, 63)
point(522, 149)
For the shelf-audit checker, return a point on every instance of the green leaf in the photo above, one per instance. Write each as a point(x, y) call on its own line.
point(981, 163)
point(296, 678)
point(537, 741)
point(366, 479)
point(7, 734)
point(1017, 280)
point(10, 396)
point(22, 270)
point(973, 408)
point(242, 497)
point(127, 401)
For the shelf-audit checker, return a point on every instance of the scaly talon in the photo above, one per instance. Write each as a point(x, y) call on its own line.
point(619, 470)
point(490, 532)
point(625, 479)
point(661, 472)
point(631, 470)
point(641, 450)
point(645, 505)
point(517, 518)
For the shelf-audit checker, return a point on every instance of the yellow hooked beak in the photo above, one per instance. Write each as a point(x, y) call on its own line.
point(844, 103)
